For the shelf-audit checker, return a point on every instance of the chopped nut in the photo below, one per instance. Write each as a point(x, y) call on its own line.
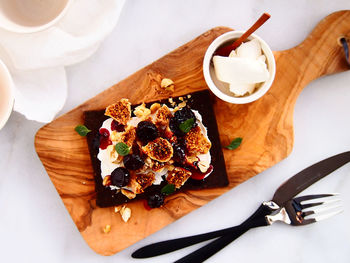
point(170, 167)
point(141, 111)
point(167, 84)
point(107, 229)
point(117, 208)
point(181, 98)
point(107, 180)
point(129, 194)
point(189, 96)
point(171, 100)
point(116, 136)
point(125, 213)
point(154, 107)
point(182, 104)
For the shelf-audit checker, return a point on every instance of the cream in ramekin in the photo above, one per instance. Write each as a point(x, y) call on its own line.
point(221, 89)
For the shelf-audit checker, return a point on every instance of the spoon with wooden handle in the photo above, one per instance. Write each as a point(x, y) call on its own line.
point(226, 50)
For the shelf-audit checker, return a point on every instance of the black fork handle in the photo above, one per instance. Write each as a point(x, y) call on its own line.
point(160, 248)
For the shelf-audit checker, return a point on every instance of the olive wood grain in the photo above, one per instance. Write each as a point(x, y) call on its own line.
point(266, 126)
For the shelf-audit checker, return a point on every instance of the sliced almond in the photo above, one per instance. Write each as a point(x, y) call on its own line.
point(107, 180)
point(167, 84)
point(125, 213)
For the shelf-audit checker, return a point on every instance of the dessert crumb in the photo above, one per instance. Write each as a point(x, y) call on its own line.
point(107, 180)
point(125, 213)
point(182, 104)
point(107, 229)
point(117, 208)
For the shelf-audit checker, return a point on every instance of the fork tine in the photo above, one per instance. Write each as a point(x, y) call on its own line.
point(325, 202)
point(322, 208)
point(309, 197)
point(327, 215)
point(315, 218)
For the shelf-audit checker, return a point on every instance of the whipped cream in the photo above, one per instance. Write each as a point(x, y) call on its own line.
point(243, 69)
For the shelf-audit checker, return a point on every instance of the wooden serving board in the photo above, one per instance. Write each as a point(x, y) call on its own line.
point(266, 126)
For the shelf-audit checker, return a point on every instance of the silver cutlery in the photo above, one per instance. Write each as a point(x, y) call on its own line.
point(284, 207)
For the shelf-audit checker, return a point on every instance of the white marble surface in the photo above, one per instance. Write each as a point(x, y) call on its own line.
point(34, 224)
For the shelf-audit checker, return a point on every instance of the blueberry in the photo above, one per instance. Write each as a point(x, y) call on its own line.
point(146, 131)
point(120, 177)
point(174, 127)
point(155, 200)
point(184, 114)
point(133, 162)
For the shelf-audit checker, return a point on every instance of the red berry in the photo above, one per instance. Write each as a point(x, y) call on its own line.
point(115, 126)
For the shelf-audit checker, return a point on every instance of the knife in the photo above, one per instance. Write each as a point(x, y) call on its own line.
point(283, 194)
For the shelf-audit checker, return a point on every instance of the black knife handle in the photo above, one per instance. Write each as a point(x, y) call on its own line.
point(160, 248)
point(203, 253)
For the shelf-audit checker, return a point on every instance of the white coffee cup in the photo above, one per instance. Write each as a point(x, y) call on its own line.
point(6, 94)
point(29, 16)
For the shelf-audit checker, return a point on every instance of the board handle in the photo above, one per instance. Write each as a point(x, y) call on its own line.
point(321, 48)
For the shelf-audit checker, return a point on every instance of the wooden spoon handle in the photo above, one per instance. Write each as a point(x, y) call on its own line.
point(225, 51)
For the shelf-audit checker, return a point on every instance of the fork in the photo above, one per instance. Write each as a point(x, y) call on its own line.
point(297, 211)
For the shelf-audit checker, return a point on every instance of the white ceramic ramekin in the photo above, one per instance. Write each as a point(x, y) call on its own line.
point(219, 88)
point(12, 26)
point(6, 94)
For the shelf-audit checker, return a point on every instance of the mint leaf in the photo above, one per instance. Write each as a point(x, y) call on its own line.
point(234, 144)
point(168, 189)
point(122, 149)
point(187, 125)
point(82, 130)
